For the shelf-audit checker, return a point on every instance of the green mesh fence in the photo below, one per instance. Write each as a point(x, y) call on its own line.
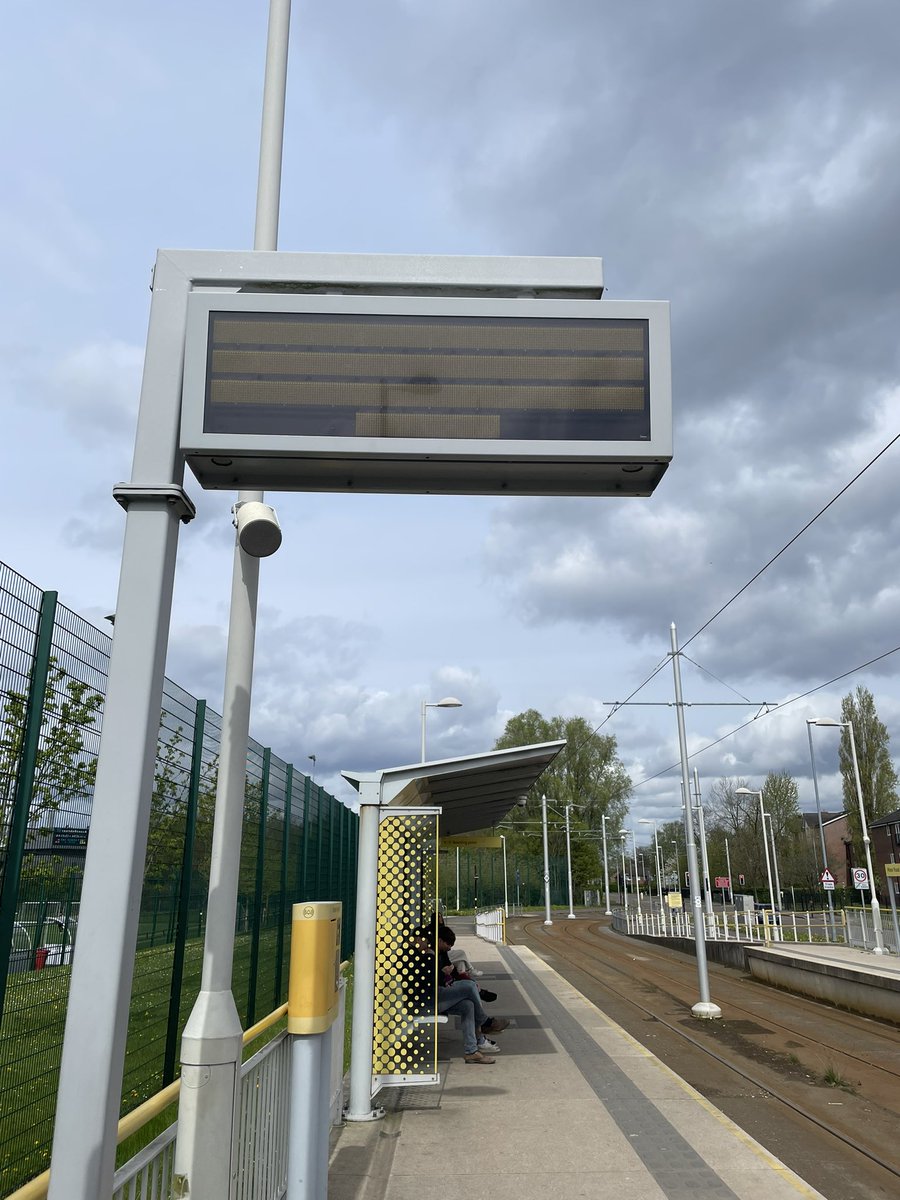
point(298, 843)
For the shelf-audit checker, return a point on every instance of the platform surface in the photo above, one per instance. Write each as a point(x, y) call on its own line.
point(572, 1107)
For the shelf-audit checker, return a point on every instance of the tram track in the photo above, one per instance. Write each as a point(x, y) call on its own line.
point(648, 990)
point(887, 1037)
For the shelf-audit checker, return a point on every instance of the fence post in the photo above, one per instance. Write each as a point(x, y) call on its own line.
point(18, 825)
point(282, 907)
point(258, 890)
point(184, 893)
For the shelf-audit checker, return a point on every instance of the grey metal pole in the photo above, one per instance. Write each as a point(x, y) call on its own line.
point(569, 861)
point(635, 876)
point(548, 920)
point(624, 874)
point(830, 898)
point(707, 889)
point(605, 865)
point(361, 1038)
point(424, 711)
point(873, 899)
point(457, 877)
point(90, 1083)
point(730, 881)
point(208, 1116)
point(505, 880)
point(705, 1008)
point(777, 899)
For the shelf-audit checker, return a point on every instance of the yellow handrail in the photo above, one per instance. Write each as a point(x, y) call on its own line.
point(36, 1189)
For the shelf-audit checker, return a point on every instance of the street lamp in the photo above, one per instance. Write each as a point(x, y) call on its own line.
point(637, 882)
point(812, 760)
point(548, 920)
point(447, 702)
point(873, 900)
point(603, 819)
point(677, 865)
point(662, 907)
point(768, 817)
point(569, 862)
point(707, 883)
point(623, 835)
point(762, 812)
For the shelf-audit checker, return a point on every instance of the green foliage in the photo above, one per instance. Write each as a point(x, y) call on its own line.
point(877, 776)
point(587, 774)
point(64, 771)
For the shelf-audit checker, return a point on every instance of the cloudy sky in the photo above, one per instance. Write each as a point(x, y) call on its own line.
point(739, 160)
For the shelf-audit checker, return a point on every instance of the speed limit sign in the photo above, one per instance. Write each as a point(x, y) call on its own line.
point(861, 878)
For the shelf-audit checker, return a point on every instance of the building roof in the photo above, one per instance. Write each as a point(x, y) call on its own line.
point(891, 818)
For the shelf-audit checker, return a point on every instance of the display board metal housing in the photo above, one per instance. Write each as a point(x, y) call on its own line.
point(406, 387)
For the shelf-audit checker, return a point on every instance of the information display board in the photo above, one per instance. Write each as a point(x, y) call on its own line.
point(420, 394)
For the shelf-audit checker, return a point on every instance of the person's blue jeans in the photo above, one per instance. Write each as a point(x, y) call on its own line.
point(461, 998)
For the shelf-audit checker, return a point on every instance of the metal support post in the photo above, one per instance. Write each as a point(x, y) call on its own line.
point(832, 936)
point(569, 862)
point(707, 888)
point(705, 1008)
point(208, 1113)
point(548, 920)
point(361, 1040)
point(605, 865)
point(505, 880)
point(18, 821)
point(730, 880)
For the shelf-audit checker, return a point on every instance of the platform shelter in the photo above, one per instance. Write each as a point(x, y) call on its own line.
point(403, 811)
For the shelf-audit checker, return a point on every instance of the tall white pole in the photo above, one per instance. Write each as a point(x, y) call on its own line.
point(547, 918)
point(812, 760)
point(705, 1008)
point(873, 899)
point(206, 1148)
point(659, 885)
point(624, 874)
point(569, 861)
point(762, 817)
point(730, 880)
point(707, 889)
point(777, 898)
point(636, 877)
point(361, 1041)
point(424, 711)
point(605, 865)
point(457, 878)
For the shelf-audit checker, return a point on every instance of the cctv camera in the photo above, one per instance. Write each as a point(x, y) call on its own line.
point(522, 802)
point(258, 530)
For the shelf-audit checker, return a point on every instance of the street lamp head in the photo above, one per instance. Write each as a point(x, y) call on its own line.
point(826, 721)
point(646, 820)
point(447, 702)
point(747, 792)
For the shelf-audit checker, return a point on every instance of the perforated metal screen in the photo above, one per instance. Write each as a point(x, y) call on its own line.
point(404, 1048)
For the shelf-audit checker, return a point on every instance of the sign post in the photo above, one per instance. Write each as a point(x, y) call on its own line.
point(892, 871)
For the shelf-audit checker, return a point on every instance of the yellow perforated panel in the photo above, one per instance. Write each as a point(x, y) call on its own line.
point(404, 1045)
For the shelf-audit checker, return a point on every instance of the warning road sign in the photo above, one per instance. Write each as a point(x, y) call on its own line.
point(827, 877)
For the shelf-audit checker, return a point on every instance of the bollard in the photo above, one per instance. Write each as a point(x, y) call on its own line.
point(312, 1008)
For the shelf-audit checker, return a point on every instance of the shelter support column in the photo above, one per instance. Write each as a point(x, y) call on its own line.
point(360, 1106)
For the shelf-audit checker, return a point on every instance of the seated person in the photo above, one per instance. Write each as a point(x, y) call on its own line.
point(462, 968)
point(460, 996)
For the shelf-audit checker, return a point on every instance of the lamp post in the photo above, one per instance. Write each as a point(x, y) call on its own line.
point(571, 916)
point(730, 881)
point(634, 876)
point(605, 864)
point(677, 866)
point(662, 907)
point(312, 773)
point(447, 702)
point(707, 889)
point(548, 920)
point(457, 878)
point(762, 812)
point(777, 901)
point(873, 900)
point(812, 761)
point(505, 883)
point(623, 835)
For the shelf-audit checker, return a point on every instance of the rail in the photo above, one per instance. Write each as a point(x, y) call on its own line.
point(264, 1113)
point(761, 925)
point(490, 925)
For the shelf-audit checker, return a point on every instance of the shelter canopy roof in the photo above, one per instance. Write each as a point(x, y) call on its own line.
point(473, 792)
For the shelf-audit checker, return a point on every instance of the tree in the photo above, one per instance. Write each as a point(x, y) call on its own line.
point(64, 770)
point(587, 772)
point(877, 776)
